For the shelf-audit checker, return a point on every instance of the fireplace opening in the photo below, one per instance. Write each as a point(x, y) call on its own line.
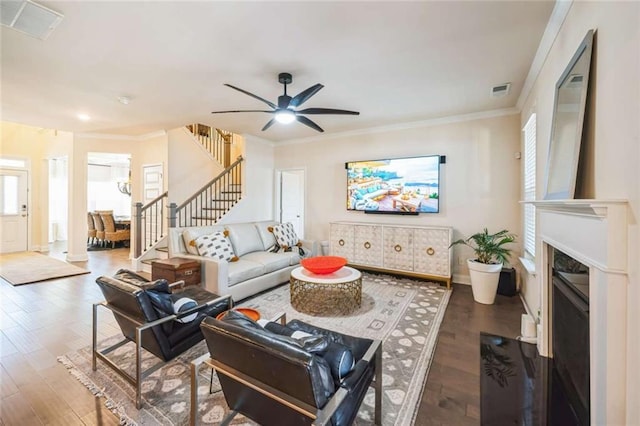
point(570, 330)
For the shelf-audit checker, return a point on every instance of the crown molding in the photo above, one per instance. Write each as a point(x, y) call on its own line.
point(404, 126)
point(558, 15)
point(144, 137)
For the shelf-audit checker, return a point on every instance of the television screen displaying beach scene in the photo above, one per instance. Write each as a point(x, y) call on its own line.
point(394, 185)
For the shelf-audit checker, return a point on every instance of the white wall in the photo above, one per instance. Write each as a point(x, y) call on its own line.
point(612, 145)
point(189, 166)
point(480, 183)
point(258, 183)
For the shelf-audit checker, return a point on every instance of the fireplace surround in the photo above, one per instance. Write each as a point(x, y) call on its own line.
point(594, 232)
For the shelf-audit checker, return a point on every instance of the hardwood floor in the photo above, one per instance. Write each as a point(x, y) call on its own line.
point(41, 321)
point(452, 393)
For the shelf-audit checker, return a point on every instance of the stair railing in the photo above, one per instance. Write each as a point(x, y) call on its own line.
point(212, 201)
point(215, 141)
point(149, 223)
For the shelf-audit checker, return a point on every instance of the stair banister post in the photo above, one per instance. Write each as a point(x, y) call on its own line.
point(172, 214)
point(138, 229)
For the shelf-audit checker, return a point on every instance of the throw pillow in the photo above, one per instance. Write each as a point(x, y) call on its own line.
point(162, 305)
point(183, 305)
point(285, 235)
point(217, 246)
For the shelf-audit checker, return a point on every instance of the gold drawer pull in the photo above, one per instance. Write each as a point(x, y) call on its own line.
point(397, 248)
point(367, 245)
point(341, 242)
point(431, 251)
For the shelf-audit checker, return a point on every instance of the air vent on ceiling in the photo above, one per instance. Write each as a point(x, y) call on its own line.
point(29, 18)
point(500, 90)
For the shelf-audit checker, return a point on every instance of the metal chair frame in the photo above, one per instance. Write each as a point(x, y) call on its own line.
point(141, 327)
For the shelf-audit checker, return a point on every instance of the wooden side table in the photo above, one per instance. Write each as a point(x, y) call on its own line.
point(176, 269)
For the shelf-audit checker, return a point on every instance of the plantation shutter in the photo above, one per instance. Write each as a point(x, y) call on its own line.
point(530, 185)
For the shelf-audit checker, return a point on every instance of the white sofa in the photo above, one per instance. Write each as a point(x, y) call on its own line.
point(256, 270)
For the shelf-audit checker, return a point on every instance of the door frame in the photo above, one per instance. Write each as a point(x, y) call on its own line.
point(278, 194)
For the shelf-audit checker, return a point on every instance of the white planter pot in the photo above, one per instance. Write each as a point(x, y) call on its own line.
point(484, 281)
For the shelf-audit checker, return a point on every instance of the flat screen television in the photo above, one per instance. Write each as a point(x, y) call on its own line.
point(398, 185)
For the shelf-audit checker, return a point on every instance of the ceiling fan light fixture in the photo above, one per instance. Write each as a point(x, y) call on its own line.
point(285, 116)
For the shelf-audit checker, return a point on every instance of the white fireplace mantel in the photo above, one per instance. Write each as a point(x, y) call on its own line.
point(593, 232)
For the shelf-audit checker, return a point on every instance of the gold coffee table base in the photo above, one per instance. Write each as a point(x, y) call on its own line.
point(339, 293)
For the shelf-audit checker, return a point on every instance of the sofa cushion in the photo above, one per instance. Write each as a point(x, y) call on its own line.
point(243, 270)
point(268, 239)
point(216, 246)
point(271, 261)
point(244, 238)
point(190, 235)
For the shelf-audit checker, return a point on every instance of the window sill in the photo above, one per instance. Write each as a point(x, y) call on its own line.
point(529, 265)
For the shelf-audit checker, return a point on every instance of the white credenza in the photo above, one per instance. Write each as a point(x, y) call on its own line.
point(421, 251)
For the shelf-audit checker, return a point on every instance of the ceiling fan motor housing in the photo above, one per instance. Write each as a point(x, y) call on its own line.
point(285, 78)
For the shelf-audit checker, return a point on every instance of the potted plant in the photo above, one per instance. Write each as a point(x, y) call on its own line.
point(485, 268)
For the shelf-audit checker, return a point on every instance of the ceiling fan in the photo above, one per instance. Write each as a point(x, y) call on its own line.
point(286, 110)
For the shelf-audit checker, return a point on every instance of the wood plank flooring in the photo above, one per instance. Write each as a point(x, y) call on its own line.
point(41, 321)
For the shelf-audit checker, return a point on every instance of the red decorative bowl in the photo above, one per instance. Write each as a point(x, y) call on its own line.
point(251, 313)
point(323, 264)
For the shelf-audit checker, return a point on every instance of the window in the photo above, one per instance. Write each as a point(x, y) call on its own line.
point(9, 202)
point(530, 185)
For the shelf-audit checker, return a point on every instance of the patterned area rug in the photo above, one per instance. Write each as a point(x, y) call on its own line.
point(404, 313)
point(29, 267)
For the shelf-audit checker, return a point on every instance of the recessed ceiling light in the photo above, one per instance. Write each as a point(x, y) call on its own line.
point(84, 117)
point(124, 100)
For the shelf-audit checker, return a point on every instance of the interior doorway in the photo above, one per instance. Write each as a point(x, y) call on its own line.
point(292, 194)
point(13, 210)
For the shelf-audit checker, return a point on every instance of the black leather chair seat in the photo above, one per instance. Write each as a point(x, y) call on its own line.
point(297, 369)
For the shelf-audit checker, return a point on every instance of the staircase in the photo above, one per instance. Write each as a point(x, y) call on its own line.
point(207, 206)
point(212, 201)
point(215, 141)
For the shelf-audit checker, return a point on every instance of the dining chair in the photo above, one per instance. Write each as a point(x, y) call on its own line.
point(91, 231)
point(97, 222)
point(112, 234)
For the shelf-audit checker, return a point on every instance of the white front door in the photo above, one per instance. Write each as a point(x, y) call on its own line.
point(13, 210)
point(292, 199)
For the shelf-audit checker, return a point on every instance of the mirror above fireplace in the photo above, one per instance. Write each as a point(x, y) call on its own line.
point(567, 124)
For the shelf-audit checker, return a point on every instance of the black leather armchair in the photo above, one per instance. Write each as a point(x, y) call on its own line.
point(144, 312)
point(278, 380)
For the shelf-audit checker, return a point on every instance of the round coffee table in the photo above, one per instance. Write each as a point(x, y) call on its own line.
point(338, 293)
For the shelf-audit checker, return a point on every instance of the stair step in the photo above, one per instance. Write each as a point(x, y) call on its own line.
point(206, 218)
point(215, 208)
point(150, 261)
point(163, 249)
point(230, 192)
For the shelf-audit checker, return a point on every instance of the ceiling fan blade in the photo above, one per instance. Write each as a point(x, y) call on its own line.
point(307, 122)
point(327, 111)
point(303, 96)
point(241, 110)
point(271, 104)
point(269, 124)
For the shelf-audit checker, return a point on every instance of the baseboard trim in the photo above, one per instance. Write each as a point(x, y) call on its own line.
point(77, 257)
point(462, 279)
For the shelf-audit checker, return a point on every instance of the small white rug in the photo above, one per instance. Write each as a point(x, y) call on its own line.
point(31, 267)
point(404, 313)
